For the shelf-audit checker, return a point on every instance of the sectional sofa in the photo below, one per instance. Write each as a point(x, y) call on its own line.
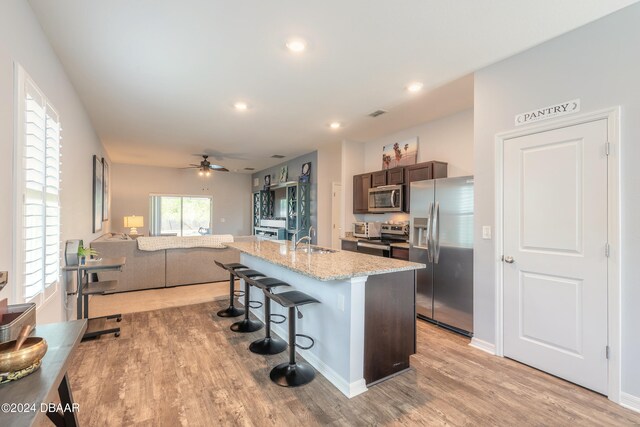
point(148, 269)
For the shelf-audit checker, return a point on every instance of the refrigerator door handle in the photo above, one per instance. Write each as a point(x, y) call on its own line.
point(429, 234)
point(436, 232)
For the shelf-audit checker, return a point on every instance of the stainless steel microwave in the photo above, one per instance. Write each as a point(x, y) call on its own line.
point(386, 199)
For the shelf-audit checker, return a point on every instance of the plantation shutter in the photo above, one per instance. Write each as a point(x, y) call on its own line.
point(41, 198)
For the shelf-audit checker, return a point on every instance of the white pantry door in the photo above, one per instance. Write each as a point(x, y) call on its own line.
point(555, 264)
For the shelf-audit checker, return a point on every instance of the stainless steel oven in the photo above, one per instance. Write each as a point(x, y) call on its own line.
point(385, 199)
point(375, 248)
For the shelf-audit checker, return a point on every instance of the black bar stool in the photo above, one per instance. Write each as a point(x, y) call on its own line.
point(247, 324)
point(232, 311)
point(268, 344)
point(292, 373)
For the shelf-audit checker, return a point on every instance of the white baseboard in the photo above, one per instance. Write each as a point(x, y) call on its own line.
point(483, 345)
point(630, 401)
point(348, 389)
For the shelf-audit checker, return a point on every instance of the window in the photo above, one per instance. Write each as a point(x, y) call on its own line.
point(38, 180)
point(176, 215)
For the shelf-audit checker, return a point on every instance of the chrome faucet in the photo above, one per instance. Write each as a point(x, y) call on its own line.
point(312, 233)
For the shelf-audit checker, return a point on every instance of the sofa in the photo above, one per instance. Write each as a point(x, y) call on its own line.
point(149, 269)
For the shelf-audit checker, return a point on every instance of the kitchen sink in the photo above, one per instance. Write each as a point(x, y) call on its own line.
point(315, 250)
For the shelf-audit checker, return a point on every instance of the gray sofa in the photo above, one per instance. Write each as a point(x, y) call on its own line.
point(163, 268)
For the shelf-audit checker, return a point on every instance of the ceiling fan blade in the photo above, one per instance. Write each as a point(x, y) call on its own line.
point(218, 168)
point(190, 167)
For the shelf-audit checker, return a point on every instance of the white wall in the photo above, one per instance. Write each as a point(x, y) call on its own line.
point(22, 41)
point(599, 64)
point(352, 164)
point(231, 193)
point(329, 171)
point(449, 139)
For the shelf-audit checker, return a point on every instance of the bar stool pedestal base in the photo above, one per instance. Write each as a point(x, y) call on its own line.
point(231, 311)
point(268, 346)
point(288, 375)
point(247, 325)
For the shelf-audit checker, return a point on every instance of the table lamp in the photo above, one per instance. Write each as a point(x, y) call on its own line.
point(133, 222)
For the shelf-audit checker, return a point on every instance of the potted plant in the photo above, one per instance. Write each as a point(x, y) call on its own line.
point(83, 253)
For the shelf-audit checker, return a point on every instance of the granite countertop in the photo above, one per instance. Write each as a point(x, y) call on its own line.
point(329, 266)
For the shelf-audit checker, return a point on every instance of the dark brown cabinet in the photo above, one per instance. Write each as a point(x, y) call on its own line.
point(420, 172)
point(395, 176)
point(361, 186)
point(349, 245)
point(400, 253)
point(378, 179)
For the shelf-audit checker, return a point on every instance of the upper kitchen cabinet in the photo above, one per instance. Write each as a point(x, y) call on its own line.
point(361, 186)
point(420, 172)
point(379, 178)
point(395, 176)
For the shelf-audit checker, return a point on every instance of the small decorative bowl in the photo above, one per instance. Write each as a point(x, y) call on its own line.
point(31, 352)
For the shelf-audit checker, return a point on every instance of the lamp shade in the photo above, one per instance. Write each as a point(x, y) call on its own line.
point(134, 221)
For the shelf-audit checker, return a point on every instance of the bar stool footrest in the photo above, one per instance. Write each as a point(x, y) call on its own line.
point(255, 304)
point(313, 342)
point(277, 322)
point(238, 294)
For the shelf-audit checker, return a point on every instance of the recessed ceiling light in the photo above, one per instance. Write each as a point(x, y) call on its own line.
point(240, 106)
point(296, 45)
point(335, 125)
point(414, 87)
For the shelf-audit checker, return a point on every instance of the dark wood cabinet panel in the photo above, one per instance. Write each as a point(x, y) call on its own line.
point(379, 178)
point(400, 253)
point(395, 176)
point(361, 186)
point(389, 324)
point(420, 172)
point(349, 245)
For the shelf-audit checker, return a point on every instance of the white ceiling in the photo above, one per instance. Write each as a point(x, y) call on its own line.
point(159, 77)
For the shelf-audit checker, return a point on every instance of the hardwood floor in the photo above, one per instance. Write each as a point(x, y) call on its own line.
point(183, 366)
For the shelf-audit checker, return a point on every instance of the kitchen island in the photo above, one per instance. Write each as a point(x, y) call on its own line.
point(364, 327)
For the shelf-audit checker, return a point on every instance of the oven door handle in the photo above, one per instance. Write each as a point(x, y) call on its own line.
point(372, 246)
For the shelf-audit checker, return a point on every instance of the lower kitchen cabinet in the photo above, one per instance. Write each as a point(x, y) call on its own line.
point(400, 253)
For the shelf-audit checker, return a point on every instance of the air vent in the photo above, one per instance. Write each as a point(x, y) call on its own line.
point(249, 169)
point(278, 156)
point(376, 113)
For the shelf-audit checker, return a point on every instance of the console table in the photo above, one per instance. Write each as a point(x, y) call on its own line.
point(39, 389)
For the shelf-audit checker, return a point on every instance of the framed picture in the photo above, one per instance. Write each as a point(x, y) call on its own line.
point(283, 174)
point(97, 194)
point(106, 182)
point(403, 153)
point(306, 169)
point(267, 181)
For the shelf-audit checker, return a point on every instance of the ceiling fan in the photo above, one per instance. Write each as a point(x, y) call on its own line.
point(205, 167)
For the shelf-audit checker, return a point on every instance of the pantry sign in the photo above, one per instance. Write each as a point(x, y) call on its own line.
point(545, 113)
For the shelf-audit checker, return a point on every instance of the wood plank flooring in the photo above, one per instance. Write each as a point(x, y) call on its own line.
point(183, 366)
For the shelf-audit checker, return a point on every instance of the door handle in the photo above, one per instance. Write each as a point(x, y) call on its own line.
point(393, 205)
point(508, 259)
point(436, 232)
point(429, 237)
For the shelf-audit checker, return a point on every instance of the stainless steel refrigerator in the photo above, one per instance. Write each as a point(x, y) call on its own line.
point(441, 236)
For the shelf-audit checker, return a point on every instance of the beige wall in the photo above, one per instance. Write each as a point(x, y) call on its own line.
point(22, 41)
point(231, 193)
